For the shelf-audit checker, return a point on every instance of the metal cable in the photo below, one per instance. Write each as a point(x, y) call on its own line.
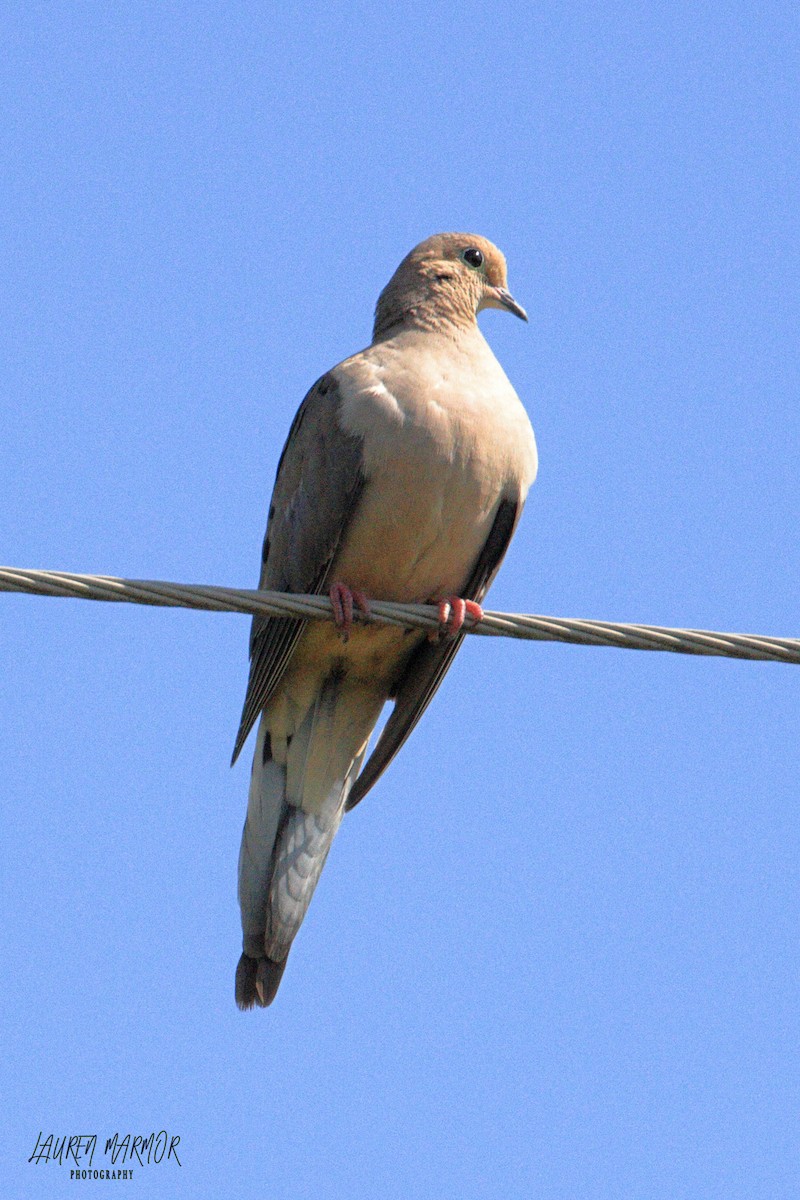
point(417, 616)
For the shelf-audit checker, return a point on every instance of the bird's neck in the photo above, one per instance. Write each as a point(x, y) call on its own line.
point(424, 312)
point(432, 298)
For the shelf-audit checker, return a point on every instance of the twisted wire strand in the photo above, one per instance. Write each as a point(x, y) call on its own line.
point(416, 616)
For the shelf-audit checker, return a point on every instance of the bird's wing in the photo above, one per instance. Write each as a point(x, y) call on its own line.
point(317, 487)
point(430, 662)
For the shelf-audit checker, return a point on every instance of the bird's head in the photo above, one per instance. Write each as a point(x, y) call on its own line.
point(447, 279)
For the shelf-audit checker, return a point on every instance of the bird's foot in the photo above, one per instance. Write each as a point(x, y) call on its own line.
point(344, 601)
point(453, 611)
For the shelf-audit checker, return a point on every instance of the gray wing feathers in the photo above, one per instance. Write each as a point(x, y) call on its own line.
point(318, 483)
point(429, 664)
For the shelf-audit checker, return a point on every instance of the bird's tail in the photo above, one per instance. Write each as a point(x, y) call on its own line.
point(266, 806)
point(293, 812)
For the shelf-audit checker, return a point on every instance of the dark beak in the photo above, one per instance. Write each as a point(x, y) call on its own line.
point(506, 300)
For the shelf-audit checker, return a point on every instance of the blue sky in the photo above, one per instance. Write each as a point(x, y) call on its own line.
point(555, 952)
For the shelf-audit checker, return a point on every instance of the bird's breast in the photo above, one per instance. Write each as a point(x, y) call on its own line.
point(438, 456)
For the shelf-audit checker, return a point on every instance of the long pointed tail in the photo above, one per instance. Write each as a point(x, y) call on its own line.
point(266, 804)
point(284, 846)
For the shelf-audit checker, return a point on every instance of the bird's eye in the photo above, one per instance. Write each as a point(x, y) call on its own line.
point(473, 257)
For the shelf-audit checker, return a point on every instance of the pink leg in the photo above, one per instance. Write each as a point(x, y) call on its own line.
point(452, 613)
point(343, 599)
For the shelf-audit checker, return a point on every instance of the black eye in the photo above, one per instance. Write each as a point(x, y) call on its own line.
point(473, 257)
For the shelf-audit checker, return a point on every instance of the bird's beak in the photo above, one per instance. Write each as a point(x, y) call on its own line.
point(498, 297)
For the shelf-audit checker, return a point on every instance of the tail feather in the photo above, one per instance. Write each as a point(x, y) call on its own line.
point(293, 812)
point(257, 981)
point(246, 973)
point(266, 807)
point(299, 858)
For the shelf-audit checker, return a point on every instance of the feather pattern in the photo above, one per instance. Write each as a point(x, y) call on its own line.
point(317, 487)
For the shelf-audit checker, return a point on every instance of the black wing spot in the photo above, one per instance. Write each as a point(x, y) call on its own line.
point(266, 753)
point(265, 550)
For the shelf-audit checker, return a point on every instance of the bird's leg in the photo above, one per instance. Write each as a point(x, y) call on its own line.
point(343, 601)
point(453, 611)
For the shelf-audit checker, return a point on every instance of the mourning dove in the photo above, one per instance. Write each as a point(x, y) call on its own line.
point(403, 478)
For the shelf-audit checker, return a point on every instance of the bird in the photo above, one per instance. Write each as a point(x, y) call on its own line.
point(402, 478)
